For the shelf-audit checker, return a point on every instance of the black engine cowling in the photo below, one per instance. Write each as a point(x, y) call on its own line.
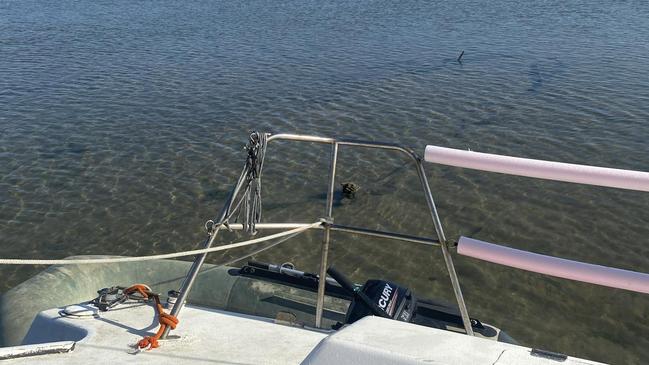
point(395, 301)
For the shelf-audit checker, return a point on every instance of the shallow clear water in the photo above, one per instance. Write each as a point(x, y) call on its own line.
point(122, 123)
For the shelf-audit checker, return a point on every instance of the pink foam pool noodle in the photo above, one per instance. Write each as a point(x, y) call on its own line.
point(554, 266)
point(592, 175)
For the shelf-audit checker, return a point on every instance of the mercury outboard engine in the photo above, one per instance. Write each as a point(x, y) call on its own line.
point(377, 297)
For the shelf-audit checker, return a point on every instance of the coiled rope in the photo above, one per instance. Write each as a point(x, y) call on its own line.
point(160, 256)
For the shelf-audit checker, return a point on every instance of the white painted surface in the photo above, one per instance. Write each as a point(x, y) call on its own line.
point(217, 337)
point(379, 341)
point(81, 310)
point(582, 174)
point(206, 336)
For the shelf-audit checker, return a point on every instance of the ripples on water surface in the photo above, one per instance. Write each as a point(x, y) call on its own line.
point(121, 127)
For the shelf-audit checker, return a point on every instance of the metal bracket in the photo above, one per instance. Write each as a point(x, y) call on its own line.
point(327, 221)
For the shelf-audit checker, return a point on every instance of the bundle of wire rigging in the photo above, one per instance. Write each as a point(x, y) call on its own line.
point(256, 148)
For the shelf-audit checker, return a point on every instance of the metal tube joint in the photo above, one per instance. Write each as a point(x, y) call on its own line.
point(327, 222)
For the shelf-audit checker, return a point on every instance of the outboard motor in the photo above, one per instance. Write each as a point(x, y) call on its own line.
point(377, 297)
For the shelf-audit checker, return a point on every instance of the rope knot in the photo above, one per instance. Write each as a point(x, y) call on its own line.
point(148, 342)
point(165, 319)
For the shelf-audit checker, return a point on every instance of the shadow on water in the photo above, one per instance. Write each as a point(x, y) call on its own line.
point(536, 81)
point(543, 71)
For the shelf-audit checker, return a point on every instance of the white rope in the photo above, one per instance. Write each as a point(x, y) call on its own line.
point(157, 257)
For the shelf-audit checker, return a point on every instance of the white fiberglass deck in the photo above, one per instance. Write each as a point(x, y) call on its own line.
point(217, 337)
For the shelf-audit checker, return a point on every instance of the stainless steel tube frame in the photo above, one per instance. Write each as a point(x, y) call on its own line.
point(340, 228)
point(200, 259)
point(319, 308)
point(448, 260)
point(198, 262)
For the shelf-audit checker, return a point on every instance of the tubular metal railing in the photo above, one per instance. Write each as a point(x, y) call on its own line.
point(328, 224)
